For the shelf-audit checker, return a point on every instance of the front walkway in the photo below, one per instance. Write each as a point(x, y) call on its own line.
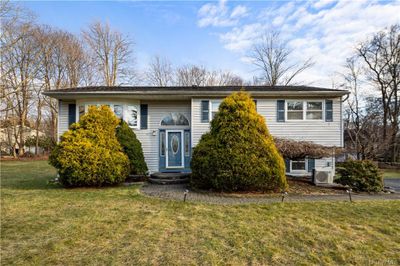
point(176, 192)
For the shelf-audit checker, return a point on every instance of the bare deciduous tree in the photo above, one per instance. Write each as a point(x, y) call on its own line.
point(272, 57)
point(160, 72)
point(63, 65)
point(111, 51)
point(20, 66)
point(381, 55)
point(190, 75)
point(353, 111)
point(223, 78)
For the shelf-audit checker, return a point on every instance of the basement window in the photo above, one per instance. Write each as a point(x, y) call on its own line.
point(298, 165)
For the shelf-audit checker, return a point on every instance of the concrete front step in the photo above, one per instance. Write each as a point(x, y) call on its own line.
point(169, 178)
point(168, 181)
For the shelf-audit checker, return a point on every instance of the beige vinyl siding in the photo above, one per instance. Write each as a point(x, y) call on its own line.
point(320, 132)
point(63, 117)
point(157, 110)
point(323, 163)
point(198, 128)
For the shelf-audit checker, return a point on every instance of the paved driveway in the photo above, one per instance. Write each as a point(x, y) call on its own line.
point(394, 183)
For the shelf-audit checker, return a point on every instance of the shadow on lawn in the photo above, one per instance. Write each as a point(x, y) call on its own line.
point(32, 175)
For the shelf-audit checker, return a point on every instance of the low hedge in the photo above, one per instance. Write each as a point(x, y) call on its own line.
point(360, 176)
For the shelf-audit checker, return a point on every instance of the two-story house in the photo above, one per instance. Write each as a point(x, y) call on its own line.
point(169, 121)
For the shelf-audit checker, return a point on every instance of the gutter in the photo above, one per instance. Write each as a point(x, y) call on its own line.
point(194, 93)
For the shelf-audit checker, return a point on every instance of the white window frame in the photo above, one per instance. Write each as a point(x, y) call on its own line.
point(210, 108)
point(125, 110)
point(298, 170)
point(322, 110)
point(111, 104)
point(304, 103)
point(287, 110)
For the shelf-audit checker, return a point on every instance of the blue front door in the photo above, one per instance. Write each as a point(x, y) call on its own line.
point(174, 149)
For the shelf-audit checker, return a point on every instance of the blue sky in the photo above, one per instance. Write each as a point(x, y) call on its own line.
point(219, 34)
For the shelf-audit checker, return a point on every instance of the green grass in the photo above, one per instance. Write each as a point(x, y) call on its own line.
point(45, 224)
point(391, 173)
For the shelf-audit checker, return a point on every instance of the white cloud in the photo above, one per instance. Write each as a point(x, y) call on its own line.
point(242, 38)
point(220, 15)
point(239, 11)
point(322, 3)
point(327, 31)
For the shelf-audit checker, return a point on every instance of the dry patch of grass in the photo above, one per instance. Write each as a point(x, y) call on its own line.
point(46, 224)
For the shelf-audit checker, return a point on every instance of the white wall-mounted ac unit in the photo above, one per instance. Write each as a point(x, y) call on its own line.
point(323, 176)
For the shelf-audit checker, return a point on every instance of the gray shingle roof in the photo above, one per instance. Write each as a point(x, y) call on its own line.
point(192, 89)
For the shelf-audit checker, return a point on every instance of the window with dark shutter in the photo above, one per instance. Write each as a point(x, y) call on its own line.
point(205, 106)
point(280, 115)
point(287, 165)
point(144, 116)
point(311, 164)
point(71, 114)
point(328, 110)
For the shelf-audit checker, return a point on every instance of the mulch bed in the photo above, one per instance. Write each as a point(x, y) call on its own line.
point(296, 187)
point(307, 188)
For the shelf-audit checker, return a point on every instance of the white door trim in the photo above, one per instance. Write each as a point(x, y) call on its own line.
point(167, 148)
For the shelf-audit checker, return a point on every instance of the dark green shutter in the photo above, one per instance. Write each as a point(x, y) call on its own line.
point(280, 114)
point(143, 116)
point(205, 106)
point(328, 110)
point(287, 165)
point(311, 164)
point(71, 114)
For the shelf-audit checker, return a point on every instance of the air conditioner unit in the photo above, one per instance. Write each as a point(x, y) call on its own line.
point(323, 176)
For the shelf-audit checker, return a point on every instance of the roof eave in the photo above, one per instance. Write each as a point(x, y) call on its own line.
point(60, 95)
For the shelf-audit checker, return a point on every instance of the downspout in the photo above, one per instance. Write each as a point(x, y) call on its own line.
point(341, 120)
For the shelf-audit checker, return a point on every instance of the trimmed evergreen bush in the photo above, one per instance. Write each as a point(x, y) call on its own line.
point(89, 153)
point(238, 153)
point(132, 148)
point(360, 176)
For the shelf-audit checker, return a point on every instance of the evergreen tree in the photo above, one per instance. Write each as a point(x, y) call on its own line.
point(89, 153)
point(238, 153)
point(132, 147)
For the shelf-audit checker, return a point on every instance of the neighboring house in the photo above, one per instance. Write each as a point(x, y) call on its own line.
point(8, 143)
point(169, 121)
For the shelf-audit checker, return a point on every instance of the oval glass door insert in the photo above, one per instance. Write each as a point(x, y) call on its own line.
point(175, 144)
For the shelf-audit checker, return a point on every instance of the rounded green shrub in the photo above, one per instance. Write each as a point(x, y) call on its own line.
point(238, 153)
point(360, 176)
point(89, 153)
point(131, 147)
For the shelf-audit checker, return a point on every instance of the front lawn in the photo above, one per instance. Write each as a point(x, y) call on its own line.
point(391, 173)
point(45, 224)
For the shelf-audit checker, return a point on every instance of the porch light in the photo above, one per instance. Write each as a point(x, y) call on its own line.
point(154, 132)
